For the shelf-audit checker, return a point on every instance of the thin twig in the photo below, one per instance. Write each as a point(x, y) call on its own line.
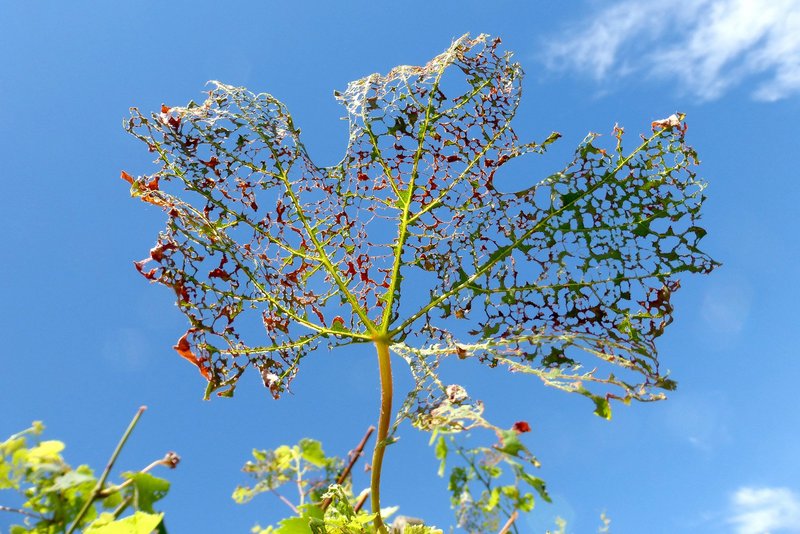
point(485, 481)
point(361, 501)
point(98, 489)
point(286, 501)
point(20, 511)
point(123, 505)
point(354, 456)
point(510, 522)
point(299, 481)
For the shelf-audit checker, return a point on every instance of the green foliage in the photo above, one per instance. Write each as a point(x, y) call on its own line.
point(326, 503)
point(56, 498)
point(568, 279)
point(300, 524)
point(147, 489)
point(51, 490)
point(490, 483)
point(561, 525)
point(339, 518)
point(138, 523)
point(303, 465)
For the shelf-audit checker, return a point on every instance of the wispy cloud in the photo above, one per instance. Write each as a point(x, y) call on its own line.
point(725, 308)
point(708, 46)
point(699, 419)
point(765, 510)
point(127, 348)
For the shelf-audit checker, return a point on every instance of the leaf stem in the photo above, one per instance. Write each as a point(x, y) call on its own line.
point(98, 489)
point(169, 460)
point(385, 367)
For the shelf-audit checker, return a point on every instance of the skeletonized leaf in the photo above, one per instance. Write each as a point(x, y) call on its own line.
point(410, 238)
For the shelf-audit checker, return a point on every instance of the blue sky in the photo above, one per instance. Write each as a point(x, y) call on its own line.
point(88, 340)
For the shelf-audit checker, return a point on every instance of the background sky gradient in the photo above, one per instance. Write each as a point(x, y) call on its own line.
point(88, 340)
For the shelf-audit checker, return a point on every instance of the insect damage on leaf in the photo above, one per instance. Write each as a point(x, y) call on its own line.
point(184, 350)
point(272, 256)
point(409, 242)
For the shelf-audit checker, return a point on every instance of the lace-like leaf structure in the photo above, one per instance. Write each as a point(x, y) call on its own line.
point(409, 239)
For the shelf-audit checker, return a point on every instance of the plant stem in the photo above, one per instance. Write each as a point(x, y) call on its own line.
point(286, 501)
point(169, 460)
point(385, 367)
point(509, 523)
point(361, 501)
point(123, 506)
point(98, 489)
point(20, 511)
point(355, 454)
point(299, 480)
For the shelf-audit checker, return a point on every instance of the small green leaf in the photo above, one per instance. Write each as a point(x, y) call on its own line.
point(12, 445)
point(138, 523)
point(441, 454)
point(242, 495)
point(421, 529)
point(602, 407)
point(511, 443)
point(6, 481)
point(102, 520)
point(666, 383)
point(525, 503)
point(494, 500)
point(536, 483)
point(317, 526)
point(113, 500)
point(295, 525)
point(492, 470)
point(458, 481)
point(148, 489)
point(46, 451)
point(70, 480)
point(312, 452)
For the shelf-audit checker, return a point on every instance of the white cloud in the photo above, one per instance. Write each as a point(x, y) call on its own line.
point(707, 46)
point(765, 510)
point(699, 419)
